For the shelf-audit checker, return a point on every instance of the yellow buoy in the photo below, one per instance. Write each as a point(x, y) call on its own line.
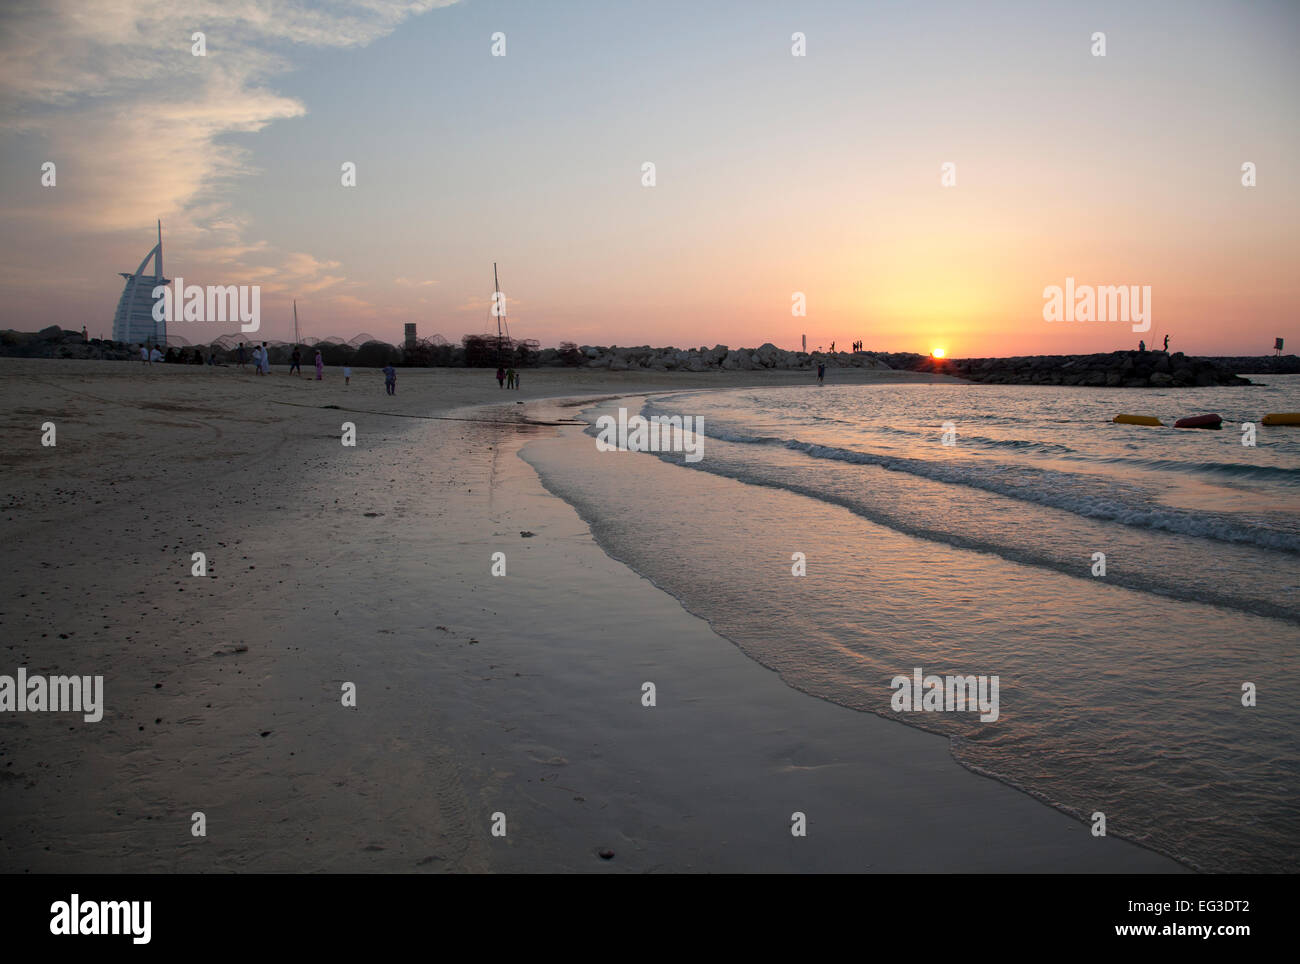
point(1138, 420)
point(1282, 418)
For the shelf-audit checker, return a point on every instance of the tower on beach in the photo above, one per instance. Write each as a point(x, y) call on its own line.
point(134, 322)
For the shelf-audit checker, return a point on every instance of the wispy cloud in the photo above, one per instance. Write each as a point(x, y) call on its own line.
point(112, 92)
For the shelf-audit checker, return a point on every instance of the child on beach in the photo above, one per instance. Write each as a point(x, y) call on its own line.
point(347, 375)
point(390, 379)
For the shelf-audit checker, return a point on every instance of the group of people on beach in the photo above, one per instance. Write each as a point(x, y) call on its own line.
point(507, 378)
point(262, 365)
point(178, 356)
point(262, 361)
point(260, 356)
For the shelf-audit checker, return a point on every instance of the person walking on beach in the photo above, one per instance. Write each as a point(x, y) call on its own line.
point(240, 354)
point(510, 378)
point(347, 375)
point(501, 377)
point(821, 372)
point(295, 361)
point(266, 359)
point(516, 380)
point(390, 379)
point(320, 365)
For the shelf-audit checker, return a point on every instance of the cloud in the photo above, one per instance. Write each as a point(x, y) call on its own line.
point(111, 91)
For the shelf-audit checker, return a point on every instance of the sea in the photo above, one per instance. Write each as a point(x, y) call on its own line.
point(1135, 589)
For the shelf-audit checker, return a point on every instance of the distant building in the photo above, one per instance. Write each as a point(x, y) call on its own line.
point(134, 322)
point(410, 335)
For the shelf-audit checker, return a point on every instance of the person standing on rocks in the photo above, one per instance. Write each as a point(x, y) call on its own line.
point(1166, 343)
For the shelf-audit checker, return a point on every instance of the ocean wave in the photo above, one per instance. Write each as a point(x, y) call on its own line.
point(1053, 489)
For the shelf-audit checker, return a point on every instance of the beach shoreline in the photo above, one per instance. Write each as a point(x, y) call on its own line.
point(475, 694)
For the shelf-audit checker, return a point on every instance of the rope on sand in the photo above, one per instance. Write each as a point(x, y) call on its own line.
point(436, 418)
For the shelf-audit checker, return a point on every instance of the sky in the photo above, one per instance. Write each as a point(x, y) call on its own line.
point(775, 174)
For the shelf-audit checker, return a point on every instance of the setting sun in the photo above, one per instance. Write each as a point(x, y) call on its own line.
point(937, 353)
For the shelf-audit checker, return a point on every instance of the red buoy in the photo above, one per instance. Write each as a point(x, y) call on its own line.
point(1199, 421)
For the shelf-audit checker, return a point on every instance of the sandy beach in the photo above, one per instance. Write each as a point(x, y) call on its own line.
point(476, 695)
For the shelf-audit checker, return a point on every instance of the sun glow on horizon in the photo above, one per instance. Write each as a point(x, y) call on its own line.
point(938, 353)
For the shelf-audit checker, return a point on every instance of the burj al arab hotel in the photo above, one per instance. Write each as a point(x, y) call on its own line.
point(134, 322)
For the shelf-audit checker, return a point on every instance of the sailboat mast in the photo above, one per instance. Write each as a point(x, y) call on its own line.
point(498, 308)
point(296, 339)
